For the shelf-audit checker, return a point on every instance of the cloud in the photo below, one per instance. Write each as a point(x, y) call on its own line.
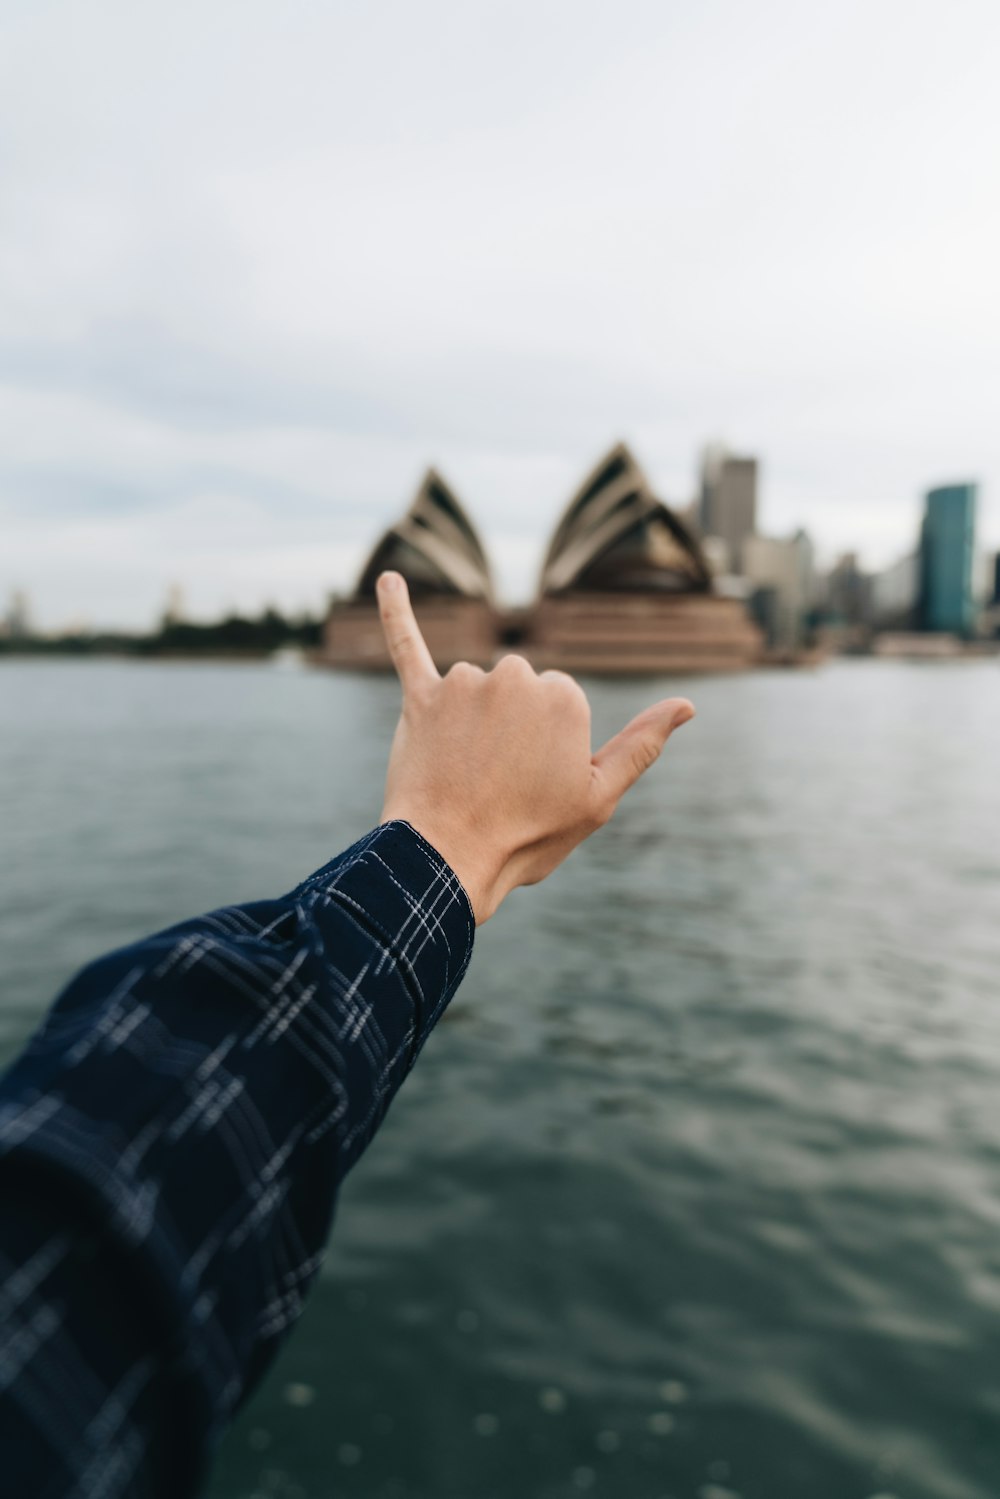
point(264, 265)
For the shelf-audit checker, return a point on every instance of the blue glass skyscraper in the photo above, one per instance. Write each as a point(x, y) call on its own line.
point(946, 545)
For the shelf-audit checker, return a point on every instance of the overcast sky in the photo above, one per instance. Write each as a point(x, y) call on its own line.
point(261, 263)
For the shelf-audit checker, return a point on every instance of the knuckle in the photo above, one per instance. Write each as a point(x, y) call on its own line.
point(514, 666)
point(463, 671)
point(566, 686)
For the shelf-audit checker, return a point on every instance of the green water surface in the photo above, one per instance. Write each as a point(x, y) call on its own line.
point(695, 1193)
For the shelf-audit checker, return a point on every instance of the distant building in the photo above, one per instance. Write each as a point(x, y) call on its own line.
point(174, 612)
point(895, 594)
point(727, 506)
point(848, 592)
point(436, 548)
point(780, 573)
point(843, 606)
point(989, 619)
point(716, 554)
point(626, 587)
point(17, 622)
point(946, 559)
point(615, 536)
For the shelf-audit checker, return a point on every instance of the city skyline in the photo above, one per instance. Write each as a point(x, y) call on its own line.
point(743, 558)
point(177, 588)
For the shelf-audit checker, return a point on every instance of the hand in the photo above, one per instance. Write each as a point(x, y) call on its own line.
point(495, 768)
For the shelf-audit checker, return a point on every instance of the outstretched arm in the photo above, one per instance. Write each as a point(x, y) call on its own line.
point(173, 1138)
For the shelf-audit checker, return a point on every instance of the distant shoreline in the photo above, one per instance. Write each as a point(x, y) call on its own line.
point(55, 653)
point(235, 638)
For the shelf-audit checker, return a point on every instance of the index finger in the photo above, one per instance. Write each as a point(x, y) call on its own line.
point(407, 647)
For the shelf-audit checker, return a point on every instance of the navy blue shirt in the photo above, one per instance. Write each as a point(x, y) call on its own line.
point(171, 1144)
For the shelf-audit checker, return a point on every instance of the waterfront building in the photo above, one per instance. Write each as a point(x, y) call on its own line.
point(848, 592)
point(895, 594)
point(843, 605)
point(946, 559)
point(436, 548)
point(174, 610)
point(727, 505)
point(716, 554)
point(626, 588)
point(780, 573)
point(17, 624)
point(989, 619)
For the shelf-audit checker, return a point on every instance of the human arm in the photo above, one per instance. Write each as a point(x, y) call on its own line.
point(172, 1141)
point(171, 1145)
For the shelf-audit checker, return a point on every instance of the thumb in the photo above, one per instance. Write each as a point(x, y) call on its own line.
point(627, 756)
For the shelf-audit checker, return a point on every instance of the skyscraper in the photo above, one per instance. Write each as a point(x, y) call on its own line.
point(946, 544)
point(727, 506)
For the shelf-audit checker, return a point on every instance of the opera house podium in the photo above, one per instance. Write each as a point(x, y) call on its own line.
point(624, 589)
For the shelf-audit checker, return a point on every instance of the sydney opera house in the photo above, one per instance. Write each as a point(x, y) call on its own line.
point(624, 588)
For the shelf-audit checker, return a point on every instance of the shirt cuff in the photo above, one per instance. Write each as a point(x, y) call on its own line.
point(410, 901)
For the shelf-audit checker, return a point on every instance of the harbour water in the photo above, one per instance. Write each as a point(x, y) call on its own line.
point(696, 1190)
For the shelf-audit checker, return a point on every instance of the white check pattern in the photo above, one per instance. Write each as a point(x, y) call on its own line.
point(171, 1144)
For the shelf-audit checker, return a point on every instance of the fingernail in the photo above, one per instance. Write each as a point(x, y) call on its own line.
point(684, 715)
point(387, 581)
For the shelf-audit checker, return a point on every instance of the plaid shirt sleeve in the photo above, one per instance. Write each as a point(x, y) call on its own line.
point(171, 1144)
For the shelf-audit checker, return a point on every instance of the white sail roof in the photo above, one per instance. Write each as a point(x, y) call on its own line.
point(616, 536)
point(434, 546)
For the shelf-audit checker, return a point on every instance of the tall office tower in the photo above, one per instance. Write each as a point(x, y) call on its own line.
point(727, 507)
point(946, 545)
